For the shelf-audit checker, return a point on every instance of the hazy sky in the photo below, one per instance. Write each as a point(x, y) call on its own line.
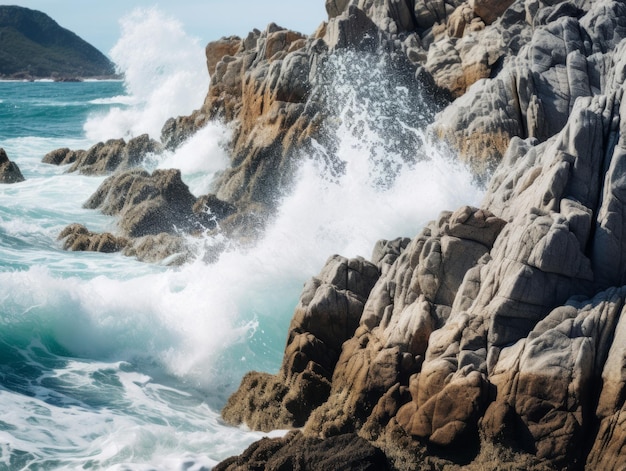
point(97, 22)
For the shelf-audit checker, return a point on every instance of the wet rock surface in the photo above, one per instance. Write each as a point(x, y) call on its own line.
point(104, 158)
point(9, 171)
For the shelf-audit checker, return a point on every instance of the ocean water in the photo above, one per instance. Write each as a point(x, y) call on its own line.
point(109, 363)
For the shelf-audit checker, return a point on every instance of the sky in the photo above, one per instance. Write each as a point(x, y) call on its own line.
point(97, 21)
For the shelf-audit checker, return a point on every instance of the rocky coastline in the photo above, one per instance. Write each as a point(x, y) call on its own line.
point(493, 339)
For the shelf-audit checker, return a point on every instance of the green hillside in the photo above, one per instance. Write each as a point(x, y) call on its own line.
point(33, 45)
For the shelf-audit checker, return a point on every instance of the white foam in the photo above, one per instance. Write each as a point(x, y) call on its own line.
point(201, 157)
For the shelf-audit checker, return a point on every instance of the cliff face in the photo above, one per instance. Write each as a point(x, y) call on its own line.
point(35, 46)
point(498, 326)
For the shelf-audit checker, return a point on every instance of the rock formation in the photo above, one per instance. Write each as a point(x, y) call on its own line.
point(157, 215)
point(104, 158)
point(9, 171)
point(495, 328)
point(497, 331)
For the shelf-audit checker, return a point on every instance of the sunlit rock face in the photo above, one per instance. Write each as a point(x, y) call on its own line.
point(499, 326)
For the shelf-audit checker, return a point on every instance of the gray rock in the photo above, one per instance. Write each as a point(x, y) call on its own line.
point(527, 98)
point(544, 382)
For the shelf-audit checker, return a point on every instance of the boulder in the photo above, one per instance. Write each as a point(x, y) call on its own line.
point(77, 237)
point(9, 171)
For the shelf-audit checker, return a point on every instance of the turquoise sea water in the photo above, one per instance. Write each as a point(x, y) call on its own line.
point(109, 363)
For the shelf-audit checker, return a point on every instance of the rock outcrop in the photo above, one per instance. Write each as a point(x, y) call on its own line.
point(297, 452)
point(9, 171)
point(104, 158)
point(567, 56)
point(157, 216)
point(499, 327)
point(497, 330)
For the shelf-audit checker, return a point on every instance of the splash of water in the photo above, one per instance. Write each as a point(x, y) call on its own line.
point(164, 74)
point(141, 355)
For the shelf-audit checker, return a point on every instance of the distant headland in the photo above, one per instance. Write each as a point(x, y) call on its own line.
point(33, 46)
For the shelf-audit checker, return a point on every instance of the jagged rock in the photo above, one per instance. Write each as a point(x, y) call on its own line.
point(217, 50)
point(77, 237)
point(544, 383)
point(327, 314)
point(9, 171)
point(105, 157)
point(274, 88)
point(527, 98)
point(210, 207)
point(146, 204)
point(163, 248)
point(60, 156)
point(490, 10)
point(406, 305)
point(336, 7)
point(297, 452)
point(353, 28)
point(608, 447)
point(504, 321)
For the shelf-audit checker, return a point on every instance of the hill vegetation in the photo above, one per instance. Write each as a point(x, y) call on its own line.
point(33, 45)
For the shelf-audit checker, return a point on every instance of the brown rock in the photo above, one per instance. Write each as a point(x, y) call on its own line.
point(545, 382)
point(77, 237)
point(489, 10)
point(146, 204)
point(105, 157)
point(326, 316)
point(217, 50)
